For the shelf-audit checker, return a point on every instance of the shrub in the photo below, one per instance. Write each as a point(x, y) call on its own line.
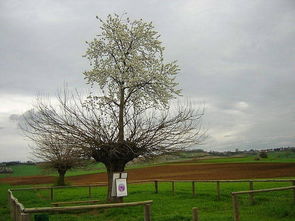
point(263, 154)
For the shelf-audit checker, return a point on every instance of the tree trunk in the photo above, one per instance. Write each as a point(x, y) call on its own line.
point(113, 167)
point(61, 178)
point(121, 116)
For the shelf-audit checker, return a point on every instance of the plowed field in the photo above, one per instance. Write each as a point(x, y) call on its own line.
point(221, 171)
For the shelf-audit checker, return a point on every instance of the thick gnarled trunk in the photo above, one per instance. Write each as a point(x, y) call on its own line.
point(61, 178)
point(114, 167)
point(115, 156)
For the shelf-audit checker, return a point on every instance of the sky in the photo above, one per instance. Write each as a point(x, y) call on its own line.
point(236, 56)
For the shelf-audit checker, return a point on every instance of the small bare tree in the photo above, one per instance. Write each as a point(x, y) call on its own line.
point(58, 152)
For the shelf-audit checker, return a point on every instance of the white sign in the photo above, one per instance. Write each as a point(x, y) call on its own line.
point(114, 187)
point(121, 187)
point(115, 176)
point(123, 175)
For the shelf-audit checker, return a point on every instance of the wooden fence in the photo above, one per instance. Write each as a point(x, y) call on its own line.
point(19, 213)
point(173, 185)
point(236, 209)
point(51, 189)
point(218, 185)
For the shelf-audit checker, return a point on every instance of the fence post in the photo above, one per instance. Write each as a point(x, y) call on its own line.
point(147, 212)
point(18, 212)
point(16, 217)
point(156, 186)
point(8, 198)
point(218, 189)
point(236, 211)
point(193, 188)
point(173, 187)
point(195, 214)
point(89, 191)
point(25, 217)
point(251, 195)
point(10, 204)
point(51, 193)
point(13, 210)
point(293, 184)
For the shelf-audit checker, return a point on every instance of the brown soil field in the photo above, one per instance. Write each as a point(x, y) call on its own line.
point(216, 171)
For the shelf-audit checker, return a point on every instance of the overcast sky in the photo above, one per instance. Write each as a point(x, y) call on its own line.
point(236, 56)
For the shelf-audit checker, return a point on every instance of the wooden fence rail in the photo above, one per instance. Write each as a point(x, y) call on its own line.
point(55, 187)
point(51, 189)
point(83, 207)
point(16, 208)
point(235, 202)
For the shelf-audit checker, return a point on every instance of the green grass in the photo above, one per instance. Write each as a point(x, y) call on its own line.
point(91, 169)
point(24, 170)
point(168, 207)
point(34, 170)
point(4, 209)
point(273, 157)
point(285, 156)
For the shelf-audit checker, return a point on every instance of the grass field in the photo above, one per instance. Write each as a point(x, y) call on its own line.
point(168, 207)
point(279, 157)
point(273, 157)
point(24, 170)
point(34, 170)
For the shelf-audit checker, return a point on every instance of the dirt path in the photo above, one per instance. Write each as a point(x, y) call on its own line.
point(221, 171)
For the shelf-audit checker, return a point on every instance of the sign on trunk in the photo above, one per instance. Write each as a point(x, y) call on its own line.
point(119, 187)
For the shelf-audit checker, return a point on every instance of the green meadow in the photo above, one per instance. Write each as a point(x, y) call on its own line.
point(35, 170)
point(183, 158)
point(166, 205)
point(272, 157)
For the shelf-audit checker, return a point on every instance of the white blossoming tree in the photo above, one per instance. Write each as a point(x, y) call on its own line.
point(127, 64)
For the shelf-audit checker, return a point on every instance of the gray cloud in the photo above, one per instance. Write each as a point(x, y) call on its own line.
point(14, 117)
point(236, 56)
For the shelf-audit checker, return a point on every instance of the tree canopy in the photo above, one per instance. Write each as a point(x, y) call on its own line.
point(126, 58)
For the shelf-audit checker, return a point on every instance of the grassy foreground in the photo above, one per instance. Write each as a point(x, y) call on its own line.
point(166, 206)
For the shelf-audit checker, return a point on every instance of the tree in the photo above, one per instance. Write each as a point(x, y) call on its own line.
point(59, 155)
point(263, 154)
point(129, 115)
point(127, 64)
point(57, 152)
